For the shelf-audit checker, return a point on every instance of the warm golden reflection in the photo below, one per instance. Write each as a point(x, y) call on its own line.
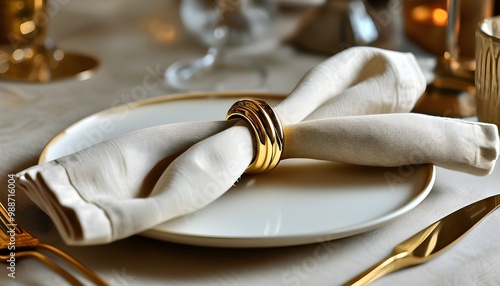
point(18, 55)
point(27, 27)
point(163, 32)
point(427, 14)
point(421, 13)
point(431, 241)
point(439, 17)
point(25, 54)
point(28, 53)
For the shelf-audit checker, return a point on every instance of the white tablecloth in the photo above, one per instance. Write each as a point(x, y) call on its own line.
point(135, 41)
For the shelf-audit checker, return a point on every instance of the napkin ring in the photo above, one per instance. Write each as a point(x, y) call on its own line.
point(268, 131)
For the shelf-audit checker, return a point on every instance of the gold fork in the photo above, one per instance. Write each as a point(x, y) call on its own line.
point(16, 242)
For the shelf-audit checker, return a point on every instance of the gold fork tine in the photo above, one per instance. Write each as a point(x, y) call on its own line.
point(26, 243)
point(45, 260)
point(23, 238)
point(75, 263)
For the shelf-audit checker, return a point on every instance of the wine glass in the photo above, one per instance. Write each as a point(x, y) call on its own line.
point(221, 25)
point(27, 54)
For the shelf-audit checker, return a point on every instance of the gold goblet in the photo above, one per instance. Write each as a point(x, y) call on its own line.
point(487, 78)
point(452, 91)
point(26, 54)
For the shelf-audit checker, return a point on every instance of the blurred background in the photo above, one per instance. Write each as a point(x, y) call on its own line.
point(63, 60)
point(207, 45)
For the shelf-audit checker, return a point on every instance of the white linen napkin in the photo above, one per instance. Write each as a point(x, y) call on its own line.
point(131, 183)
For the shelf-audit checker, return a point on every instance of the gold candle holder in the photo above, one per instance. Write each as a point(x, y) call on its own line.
point(27, 55)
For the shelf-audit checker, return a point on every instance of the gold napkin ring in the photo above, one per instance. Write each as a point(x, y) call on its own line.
point(268, 131)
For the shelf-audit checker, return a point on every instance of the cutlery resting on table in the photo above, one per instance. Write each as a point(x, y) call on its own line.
point(431, 241)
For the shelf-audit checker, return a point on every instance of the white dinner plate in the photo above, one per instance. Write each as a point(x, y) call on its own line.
point(301, 201)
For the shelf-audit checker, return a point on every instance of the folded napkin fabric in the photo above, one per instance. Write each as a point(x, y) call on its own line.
point(396, 140)
point(131, 183)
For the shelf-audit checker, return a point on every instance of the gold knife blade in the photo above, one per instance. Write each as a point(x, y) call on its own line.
point(431, 241)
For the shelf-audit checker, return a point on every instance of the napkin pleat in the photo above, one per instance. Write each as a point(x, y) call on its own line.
point(66, 204)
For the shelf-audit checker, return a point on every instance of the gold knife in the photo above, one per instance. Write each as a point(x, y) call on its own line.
point(431, 241)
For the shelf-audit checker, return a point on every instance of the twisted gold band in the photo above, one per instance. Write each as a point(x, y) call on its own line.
point(268, 132)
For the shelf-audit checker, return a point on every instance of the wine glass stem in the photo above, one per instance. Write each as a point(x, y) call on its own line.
point(453, 28)
point(216, 53)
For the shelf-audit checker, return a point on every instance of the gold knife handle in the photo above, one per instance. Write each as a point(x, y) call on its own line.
point(391, 263)
point(432, 240)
